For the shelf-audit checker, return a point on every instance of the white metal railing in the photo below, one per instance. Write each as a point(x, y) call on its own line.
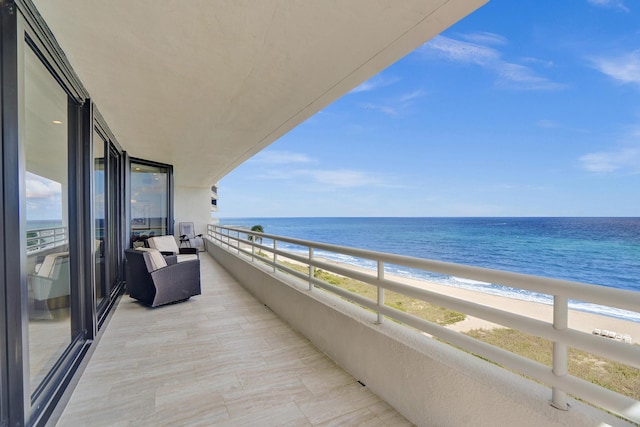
point(41, 239)
point(557, 376)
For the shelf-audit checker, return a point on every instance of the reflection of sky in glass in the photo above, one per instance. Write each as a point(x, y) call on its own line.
point(148, 195)
point(98, 205)
point(44, 198)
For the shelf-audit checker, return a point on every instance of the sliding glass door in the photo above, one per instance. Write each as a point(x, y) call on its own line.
point(151, 211)
point(107, 202)
point(45, 199)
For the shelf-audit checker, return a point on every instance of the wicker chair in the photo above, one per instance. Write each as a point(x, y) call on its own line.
point(156, 280)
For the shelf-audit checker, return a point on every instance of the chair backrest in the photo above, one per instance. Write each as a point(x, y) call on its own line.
point(163, 243)
point(51, 261)
point(154, 257)
point(187, 228)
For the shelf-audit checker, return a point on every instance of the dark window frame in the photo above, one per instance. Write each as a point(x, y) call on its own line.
point(170, 193)
point(114, 285)
point(23, 28)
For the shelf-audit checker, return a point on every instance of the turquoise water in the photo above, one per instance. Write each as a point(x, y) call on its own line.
point(44, 223)
point(601, 251)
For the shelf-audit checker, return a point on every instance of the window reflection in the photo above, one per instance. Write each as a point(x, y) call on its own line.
point(47, 217)
point(99, 216)
point(149, 201)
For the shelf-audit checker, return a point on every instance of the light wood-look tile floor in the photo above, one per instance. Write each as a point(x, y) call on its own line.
point(219, 359)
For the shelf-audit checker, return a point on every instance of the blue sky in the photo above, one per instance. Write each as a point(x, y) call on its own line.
point(524, 108)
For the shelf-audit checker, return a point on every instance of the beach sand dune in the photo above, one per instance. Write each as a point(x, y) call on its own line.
point(578, 320)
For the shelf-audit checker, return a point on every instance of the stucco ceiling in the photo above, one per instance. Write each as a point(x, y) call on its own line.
point(206, 84)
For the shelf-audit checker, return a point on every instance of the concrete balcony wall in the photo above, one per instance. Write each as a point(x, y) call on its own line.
point(192, 204)
point(429, 382)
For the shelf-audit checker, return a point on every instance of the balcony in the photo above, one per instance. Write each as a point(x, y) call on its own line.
point(221, 358)
point(227, 358)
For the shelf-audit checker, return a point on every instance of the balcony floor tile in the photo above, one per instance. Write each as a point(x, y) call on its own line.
point(221, 358)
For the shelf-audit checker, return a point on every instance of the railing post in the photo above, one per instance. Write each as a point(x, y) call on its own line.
point(560, 350)
point(275, 256)
point(380, 292)
point(253, 248)
point(311, 269)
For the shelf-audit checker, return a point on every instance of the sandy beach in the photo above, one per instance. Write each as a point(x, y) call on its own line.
point(578, 320)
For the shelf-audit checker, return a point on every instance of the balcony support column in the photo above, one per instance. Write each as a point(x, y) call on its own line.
point(560, 351)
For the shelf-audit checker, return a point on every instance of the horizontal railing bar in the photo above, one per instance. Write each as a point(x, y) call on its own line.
point(613, 350)
point(596, 294)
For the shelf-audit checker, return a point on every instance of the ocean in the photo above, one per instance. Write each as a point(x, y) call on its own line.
point(599, 251)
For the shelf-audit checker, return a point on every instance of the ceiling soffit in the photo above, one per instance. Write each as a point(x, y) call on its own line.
point(204, 85)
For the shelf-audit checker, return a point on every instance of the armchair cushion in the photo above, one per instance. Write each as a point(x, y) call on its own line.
point(167, 246)
point(163, 244)
point(156, 258)
point(52, 278)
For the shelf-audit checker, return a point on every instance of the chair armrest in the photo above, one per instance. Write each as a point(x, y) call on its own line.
point(171, 259)
point(192, 251)
point(176, 282)
point(167, 253)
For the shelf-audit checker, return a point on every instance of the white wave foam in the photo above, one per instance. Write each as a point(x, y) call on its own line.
point(470, 281)
point(479, 286)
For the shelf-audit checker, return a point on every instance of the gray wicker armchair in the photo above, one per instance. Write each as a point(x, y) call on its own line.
point(156, 280)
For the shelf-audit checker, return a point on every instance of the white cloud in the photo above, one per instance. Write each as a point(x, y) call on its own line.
point(386, 109)
point(460, 51)
point(395, 107)
point(511, 75)
point(280, 157)
point(411, 96)
point(624, 68)
point(484, 37)
point(611, 4)
point(328, 179)
point(42, 188)
point(373, 83)
point(522, 77)
point(611, 161)
point(343, 178)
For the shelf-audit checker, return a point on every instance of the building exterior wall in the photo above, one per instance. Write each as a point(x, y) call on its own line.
point(192, 204)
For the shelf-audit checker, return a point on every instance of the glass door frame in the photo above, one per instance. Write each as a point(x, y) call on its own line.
point(114, 194)
point(169, 190)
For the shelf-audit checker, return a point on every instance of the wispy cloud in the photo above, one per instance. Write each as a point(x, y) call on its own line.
point(626, 158)
point(610, 4)
point(408, 97)
point(44, 197)
point(480, 51)
point(461, 51)
point(484, 37)
point(624, 68)
point(374, 83)
point(38, 187)
point(386, 109)
point(280, 158)
point(342, 178)
point(397, 105)
point(545, 123)
point(328, 179)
